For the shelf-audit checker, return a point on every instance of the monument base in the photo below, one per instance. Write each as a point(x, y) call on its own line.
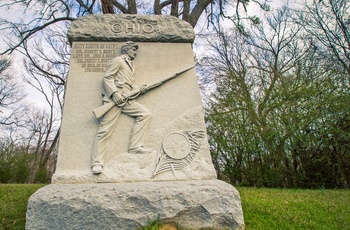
point(190, 204)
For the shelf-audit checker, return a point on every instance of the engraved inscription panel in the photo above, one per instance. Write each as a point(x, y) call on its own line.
point(94, 57)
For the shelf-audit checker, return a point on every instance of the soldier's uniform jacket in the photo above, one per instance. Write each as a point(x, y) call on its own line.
point(119, 77)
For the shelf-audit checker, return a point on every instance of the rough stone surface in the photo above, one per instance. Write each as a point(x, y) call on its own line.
point(190, 204)
point(139, 28)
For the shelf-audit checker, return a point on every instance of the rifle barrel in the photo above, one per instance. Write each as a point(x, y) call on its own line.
point(160, 82)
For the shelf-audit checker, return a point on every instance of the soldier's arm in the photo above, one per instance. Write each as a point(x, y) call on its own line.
point(109, 76)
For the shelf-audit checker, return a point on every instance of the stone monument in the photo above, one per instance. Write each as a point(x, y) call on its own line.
point(133, 141)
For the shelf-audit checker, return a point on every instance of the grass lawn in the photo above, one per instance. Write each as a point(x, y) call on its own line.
point(295, 209)
point(13, 204)
point(263, 208)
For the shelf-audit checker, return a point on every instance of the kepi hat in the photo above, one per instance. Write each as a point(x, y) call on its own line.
point(128, 45)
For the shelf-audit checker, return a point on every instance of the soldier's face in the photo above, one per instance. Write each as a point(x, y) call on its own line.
point(131, 53)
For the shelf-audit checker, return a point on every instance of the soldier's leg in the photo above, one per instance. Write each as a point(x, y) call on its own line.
point(104, 133)
point(142, 119)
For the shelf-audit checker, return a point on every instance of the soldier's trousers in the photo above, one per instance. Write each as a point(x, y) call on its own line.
point(142, 118)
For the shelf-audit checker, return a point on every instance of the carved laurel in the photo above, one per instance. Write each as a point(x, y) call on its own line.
point(177, 151)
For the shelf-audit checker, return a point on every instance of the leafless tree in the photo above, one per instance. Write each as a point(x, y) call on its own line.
point(26, 134)
point(34, 141)
point(11, 94)
point(40, 138)
point(43, 14)
point(327, 25)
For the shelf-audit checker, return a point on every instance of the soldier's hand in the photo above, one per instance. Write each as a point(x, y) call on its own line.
point(117, 98)
point(143, 88)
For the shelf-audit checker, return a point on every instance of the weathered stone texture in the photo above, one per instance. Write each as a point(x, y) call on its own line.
point(191, 204)
point(138, 28)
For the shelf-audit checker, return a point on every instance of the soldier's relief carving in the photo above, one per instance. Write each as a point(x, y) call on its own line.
point(118, 80)
point(119, 97)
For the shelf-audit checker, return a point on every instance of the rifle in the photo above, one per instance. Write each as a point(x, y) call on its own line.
point(100, 111)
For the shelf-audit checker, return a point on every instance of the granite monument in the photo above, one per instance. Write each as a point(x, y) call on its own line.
point(133, 138)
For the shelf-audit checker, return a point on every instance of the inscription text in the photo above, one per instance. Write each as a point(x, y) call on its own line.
point(94, 57)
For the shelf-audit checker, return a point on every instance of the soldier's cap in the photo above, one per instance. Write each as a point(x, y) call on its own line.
point(128, 45)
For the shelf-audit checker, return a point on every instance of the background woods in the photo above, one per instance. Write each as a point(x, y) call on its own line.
point(27, 134)
point(278, 111)
point(276, 87)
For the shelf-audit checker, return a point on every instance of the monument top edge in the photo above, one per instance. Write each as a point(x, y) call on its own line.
point(134, 27)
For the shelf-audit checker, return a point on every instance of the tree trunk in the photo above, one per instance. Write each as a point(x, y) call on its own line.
point(107, 7)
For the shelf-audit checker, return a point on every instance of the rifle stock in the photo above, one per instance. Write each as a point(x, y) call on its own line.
point(100, 111)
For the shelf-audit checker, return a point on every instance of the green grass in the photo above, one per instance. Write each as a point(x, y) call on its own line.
point(263, 208)
point(13, 204)
point(295, 209)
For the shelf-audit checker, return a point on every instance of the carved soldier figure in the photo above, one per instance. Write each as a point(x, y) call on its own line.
point(118, 80)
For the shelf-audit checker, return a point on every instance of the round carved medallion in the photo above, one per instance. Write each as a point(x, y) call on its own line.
point(176, 145)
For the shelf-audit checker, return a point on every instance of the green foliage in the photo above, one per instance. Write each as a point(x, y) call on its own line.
point(17, 165)
point(14, 164)
point(21, 168)
point(42, 175)
point(153, 224)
